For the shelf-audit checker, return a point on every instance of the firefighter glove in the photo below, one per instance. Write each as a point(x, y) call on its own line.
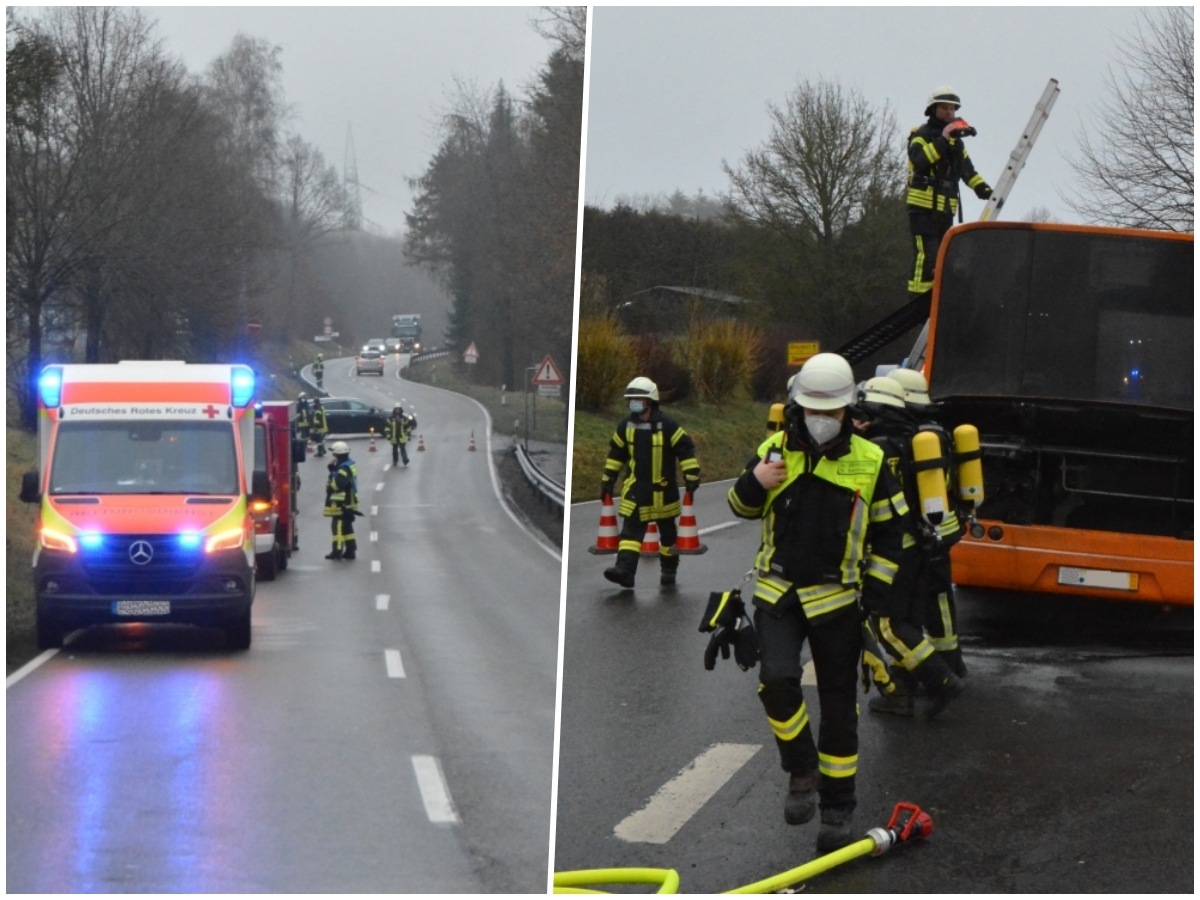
point(606, 488)
point(983, 192)
point(723, 611)
point(721, 641)
point(693, 485)
point(745, 648)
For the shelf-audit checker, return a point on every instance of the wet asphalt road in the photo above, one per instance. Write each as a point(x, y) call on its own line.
point(1067, 765)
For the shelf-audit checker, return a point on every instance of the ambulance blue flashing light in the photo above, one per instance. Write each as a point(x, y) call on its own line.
point(91, 540)
point(50, 387)
point(190, 540)
point(242, 385)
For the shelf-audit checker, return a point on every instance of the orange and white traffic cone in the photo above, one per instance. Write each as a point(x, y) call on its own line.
point(421, 443)
point(689, 537)
point(371, 447)
point(309, 448)
point(607, 541)
point(471, 445)
point(650, 541)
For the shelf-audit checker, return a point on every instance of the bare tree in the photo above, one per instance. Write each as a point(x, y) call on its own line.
point(1139, 170)
point(828, 152)
point(567, 26)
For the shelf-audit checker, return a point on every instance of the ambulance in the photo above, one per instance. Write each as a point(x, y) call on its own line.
point(143, 492)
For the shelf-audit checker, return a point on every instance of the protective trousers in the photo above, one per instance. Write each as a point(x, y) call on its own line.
point(835, 641)
point(898, 626)
point(345, 544)
point(927, 229)
point(633, 533)
point(940, 612)
point(400, 452)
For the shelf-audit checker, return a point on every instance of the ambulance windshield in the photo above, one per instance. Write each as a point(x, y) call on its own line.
point(144, 457)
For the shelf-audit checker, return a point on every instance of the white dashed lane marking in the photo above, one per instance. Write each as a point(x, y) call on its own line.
point(435, 794)
point(391, 659)
point(381, 602)
point(684, 795)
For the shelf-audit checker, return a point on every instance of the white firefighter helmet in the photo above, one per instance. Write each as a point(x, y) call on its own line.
point(825, 381)
point(916, 388)
point(642, 388)
point(942, 94)
point(339, 448)
point(884, 391)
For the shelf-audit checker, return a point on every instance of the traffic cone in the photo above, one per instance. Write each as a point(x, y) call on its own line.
point(607, 541)
point(471, 445)
point(650, 541)
point(309, 448)
point(689, 538)
point(371, 446)
point(421, 443)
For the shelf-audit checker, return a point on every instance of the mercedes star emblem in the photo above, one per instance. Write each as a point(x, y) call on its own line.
point(140, 553)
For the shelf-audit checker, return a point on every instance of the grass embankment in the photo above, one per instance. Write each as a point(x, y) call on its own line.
point(547, 415)
point(725, 439)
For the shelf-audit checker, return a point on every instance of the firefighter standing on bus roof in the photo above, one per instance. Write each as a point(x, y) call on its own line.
point(398, 431)
point(650, 444)
point(896, 620)
point(318, 426)
point(941, 613)
point(341, 502)
point(824, 496)
point(937, 161)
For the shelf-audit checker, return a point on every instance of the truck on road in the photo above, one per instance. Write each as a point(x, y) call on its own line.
point(143, 491)
point(407, 329)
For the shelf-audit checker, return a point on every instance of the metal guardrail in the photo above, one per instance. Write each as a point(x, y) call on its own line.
point(549, 488)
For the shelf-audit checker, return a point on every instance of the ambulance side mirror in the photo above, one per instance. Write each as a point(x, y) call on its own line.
point(29, 487)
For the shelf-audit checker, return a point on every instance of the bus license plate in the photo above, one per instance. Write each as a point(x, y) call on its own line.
point(1098, 578)
point(141, 607)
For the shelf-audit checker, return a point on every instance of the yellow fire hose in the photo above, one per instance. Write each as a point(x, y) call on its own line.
point(907, 822)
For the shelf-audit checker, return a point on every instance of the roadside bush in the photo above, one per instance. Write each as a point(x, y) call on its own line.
point(657, 361)
point(769, 382)
point(606, 362)
point(723, 357)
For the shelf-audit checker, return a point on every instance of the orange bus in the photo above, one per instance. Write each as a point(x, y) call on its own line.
point(1071, 349)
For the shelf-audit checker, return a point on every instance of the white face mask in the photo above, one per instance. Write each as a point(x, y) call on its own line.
point(822, 429)
point(637, 407)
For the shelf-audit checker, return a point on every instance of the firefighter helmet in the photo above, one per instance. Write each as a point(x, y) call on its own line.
point(883, 391)
point(825, 381)
point(916, 388)
point(303, 396)
point(397, 409)
point(642, 388)
point(943, 94)
point(339, 448)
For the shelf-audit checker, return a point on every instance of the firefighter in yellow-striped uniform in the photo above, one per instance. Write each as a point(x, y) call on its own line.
point(937, 162)
point(318, 425)
point(651, 445)
point(341, 502)
point(830, 512)
point(303, 416)
point(936, 583)
point(898, 653)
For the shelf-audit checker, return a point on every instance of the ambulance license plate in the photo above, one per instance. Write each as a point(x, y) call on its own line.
point(1098, 578)
point(141, 607)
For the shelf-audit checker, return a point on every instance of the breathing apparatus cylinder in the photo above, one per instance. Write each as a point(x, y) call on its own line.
point(970, 465)
point(775, 418)
point(929, 465)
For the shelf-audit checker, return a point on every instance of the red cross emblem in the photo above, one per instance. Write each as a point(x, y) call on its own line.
point(211, 411)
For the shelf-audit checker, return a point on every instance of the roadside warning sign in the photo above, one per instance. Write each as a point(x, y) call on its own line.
point(471, 354)
point(548, 373)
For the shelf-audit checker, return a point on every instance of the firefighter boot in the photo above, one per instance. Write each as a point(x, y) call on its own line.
point(954, 659)
point(669, 563)
point(941, 695)
point(625, 569)
point(335, 554)
point(801, 802)
point(837, 829)
point(896, 701)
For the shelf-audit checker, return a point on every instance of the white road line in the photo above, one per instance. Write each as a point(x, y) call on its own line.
point(438, 805)
point(391, 659)
point(374, 535)
point(374, 510)
point(379, 487)
point(711, 528)
point(684, 795)
point(34, 663)
point(375, 566)
point(381, 602)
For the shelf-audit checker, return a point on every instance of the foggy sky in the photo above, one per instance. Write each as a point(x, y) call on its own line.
point(676, 90)
point(384, 73)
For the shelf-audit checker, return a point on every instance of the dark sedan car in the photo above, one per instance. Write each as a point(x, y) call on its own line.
point(346, 415)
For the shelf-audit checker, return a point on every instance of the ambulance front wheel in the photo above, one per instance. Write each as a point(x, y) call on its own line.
point(237, 631)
